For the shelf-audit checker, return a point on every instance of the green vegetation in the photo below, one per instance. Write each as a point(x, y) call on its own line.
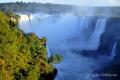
point(55, 58)
point(21, 7)
point(22, 56)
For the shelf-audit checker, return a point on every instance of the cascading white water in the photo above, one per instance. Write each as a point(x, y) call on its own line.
point(48, 51)
point(113, 52)
point(88, 37)
point(25, 17)
point(90, 40)
point(94, 40)
point(24, 22)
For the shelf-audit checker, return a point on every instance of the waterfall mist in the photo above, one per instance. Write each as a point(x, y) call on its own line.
point(65, 32)
point(89, 36)
point(61, 30)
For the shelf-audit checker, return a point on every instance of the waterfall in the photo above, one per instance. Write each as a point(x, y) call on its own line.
point(48, 51)
point(89, 36)
point(82, 32)
point(113, 52)
point(94, 40)
point(24, 22)
point(26, 17)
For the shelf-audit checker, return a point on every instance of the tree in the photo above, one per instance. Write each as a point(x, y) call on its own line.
point(22, 56)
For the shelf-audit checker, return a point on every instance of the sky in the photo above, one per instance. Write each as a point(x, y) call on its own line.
point(75, 2)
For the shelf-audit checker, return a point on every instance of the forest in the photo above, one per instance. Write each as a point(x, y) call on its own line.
point(22, 7)
point(23, 56)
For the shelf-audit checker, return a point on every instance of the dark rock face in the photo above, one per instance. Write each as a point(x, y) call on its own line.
point(117, 56)
point(108, 38)
point(50, 76)
point(93, 54)
point(111, 34)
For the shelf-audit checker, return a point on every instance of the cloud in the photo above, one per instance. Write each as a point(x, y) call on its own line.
point(115, 2)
